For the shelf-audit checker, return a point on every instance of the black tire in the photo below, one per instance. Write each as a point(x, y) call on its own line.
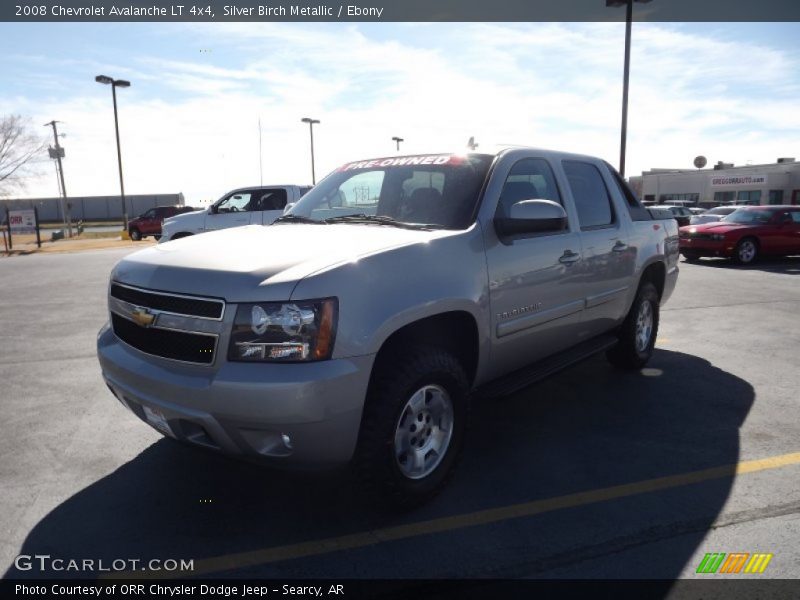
point(180, 235)
point(690, 257)
point(157, 237)
point(135, 234)
point(394, 383)
point(747, 250)
point(630, 353)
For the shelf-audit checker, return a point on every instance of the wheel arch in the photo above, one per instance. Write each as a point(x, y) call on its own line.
point(455, 331)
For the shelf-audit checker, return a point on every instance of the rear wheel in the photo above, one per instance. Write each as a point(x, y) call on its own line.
point(747, 251)
point(135, 234)
point(413, 426)
point(637, 336)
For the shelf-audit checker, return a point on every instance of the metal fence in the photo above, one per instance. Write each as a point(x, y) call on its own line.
point(91, 208)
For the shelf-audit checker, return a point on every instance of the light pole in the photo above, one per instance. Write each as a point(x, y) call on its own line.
point(628, 4)
point(115, 83)
point(311, 123)
point(58, 154)
point(398, 140)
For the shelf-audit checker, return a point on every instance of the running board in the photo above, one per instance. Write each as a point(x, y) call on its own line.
point(522, 378)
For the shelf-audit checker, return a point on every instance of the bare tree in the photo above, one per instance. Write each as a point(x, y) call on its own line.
point(19, 148)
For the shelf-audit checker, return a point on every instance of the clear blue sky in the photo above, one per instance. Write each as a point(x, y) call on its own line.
point(190, 120)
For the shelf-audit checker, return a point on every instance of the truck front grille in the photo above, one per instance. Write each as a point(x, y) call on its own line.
point(176, 345)
point(181, 305)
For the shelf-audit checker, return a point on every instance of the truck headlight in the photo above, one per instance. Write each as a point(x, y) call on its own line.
point(284, 331)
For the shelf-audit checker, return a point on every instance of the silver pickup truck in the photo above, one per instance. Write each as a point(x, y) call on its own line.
point(357, 327)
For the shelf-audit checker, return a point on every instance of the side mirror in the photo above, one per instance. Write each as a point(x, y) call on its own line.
point(532, 216)
point(212, 210)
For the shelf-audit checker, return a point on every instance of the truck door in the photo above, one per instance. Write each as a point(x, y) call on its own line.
point(271, 203)
point(535, 288)
point(608, 261)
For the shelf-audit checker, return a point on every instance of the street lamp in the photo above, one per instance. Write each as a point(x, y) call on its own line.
point(398, 140)
point(115, 83)
point(628, 4)
point(311, 131)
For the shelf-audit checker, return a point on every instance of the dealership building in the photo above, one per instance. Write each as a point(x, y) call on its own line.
point(774, 183)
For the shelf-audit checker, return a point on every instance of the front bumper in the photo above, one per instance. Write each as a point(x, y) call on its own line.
point(705, 247)
point(246, 409)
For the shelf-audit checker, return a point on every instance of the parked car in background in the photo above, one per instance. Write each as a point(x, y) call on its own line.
point(695, 210)
point(259, 205)
point(713, 215)
point(745, 234)
point(150, 221)
point(680, 213)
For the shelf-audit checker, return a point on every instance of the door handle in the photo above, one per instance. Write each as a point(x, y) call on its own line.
point(569, 257)
point(619, 246)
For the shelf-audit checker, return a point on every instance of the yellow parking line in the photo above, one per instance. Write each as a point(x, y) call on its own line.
point(482, 517)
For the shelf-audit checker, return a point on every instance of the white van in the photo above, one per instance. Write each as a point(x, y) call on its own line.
point(244, 206)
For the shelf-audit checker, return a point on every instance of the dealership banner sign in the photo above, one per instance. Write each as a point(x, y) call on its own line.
point(22, 221)
point(739, 180)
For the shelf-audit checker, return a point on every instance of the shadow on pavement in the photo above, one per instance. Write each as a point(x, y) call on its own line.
point(589, 427)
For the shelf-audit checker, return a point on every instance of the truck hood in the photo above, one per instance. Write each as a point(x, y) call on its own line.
point(258, 263)
point(191, 220)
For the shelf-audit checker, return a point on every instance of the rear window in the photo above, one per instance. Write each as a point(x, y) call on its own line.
point(439, 190)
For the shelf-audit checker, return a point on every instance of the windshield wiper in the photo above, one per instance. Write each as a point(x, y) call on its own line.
point(376, 220)
point(297, 219)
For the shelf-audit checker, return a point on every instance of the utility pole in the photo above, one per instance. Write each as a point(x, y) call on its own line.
point(58, 153)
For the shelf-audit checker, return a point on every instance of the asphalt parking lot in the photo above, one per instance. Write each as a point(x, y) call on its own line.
point(593, 473)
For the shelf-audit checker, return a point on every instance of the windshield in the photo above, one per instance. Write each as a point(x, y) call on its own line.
point(437, 190)
point(748, 215)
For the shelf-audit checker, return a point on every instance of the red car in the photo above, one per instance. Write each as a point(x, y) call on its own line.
point(149, 222)
point(745, 234)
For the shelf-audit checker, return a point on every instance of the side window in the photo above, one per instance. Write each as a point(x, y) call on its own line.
point(237, 202)
point(591, 196)
point(271, 199)
point(795, 215)
point(529, 179)
point(150, 214)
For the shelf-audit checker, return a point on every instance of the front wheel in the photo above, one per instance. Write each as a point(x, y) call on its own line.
point(747, 251)
point(413, 426)
point(637, 336)
point(135, 234)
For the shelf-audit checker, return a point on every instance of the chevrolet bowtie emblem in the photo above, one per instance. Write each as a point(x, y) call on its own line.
point(142, 317)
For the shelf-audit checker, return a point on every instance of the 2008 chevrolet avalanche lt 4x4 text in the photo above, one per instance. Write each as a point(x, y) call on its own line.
point(356, 327)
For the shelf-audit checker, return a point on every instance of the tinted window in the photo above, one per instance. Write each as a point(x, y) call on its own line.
point(529, 179)
point(590, 194)
point(271, 199)
point(795, 216)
